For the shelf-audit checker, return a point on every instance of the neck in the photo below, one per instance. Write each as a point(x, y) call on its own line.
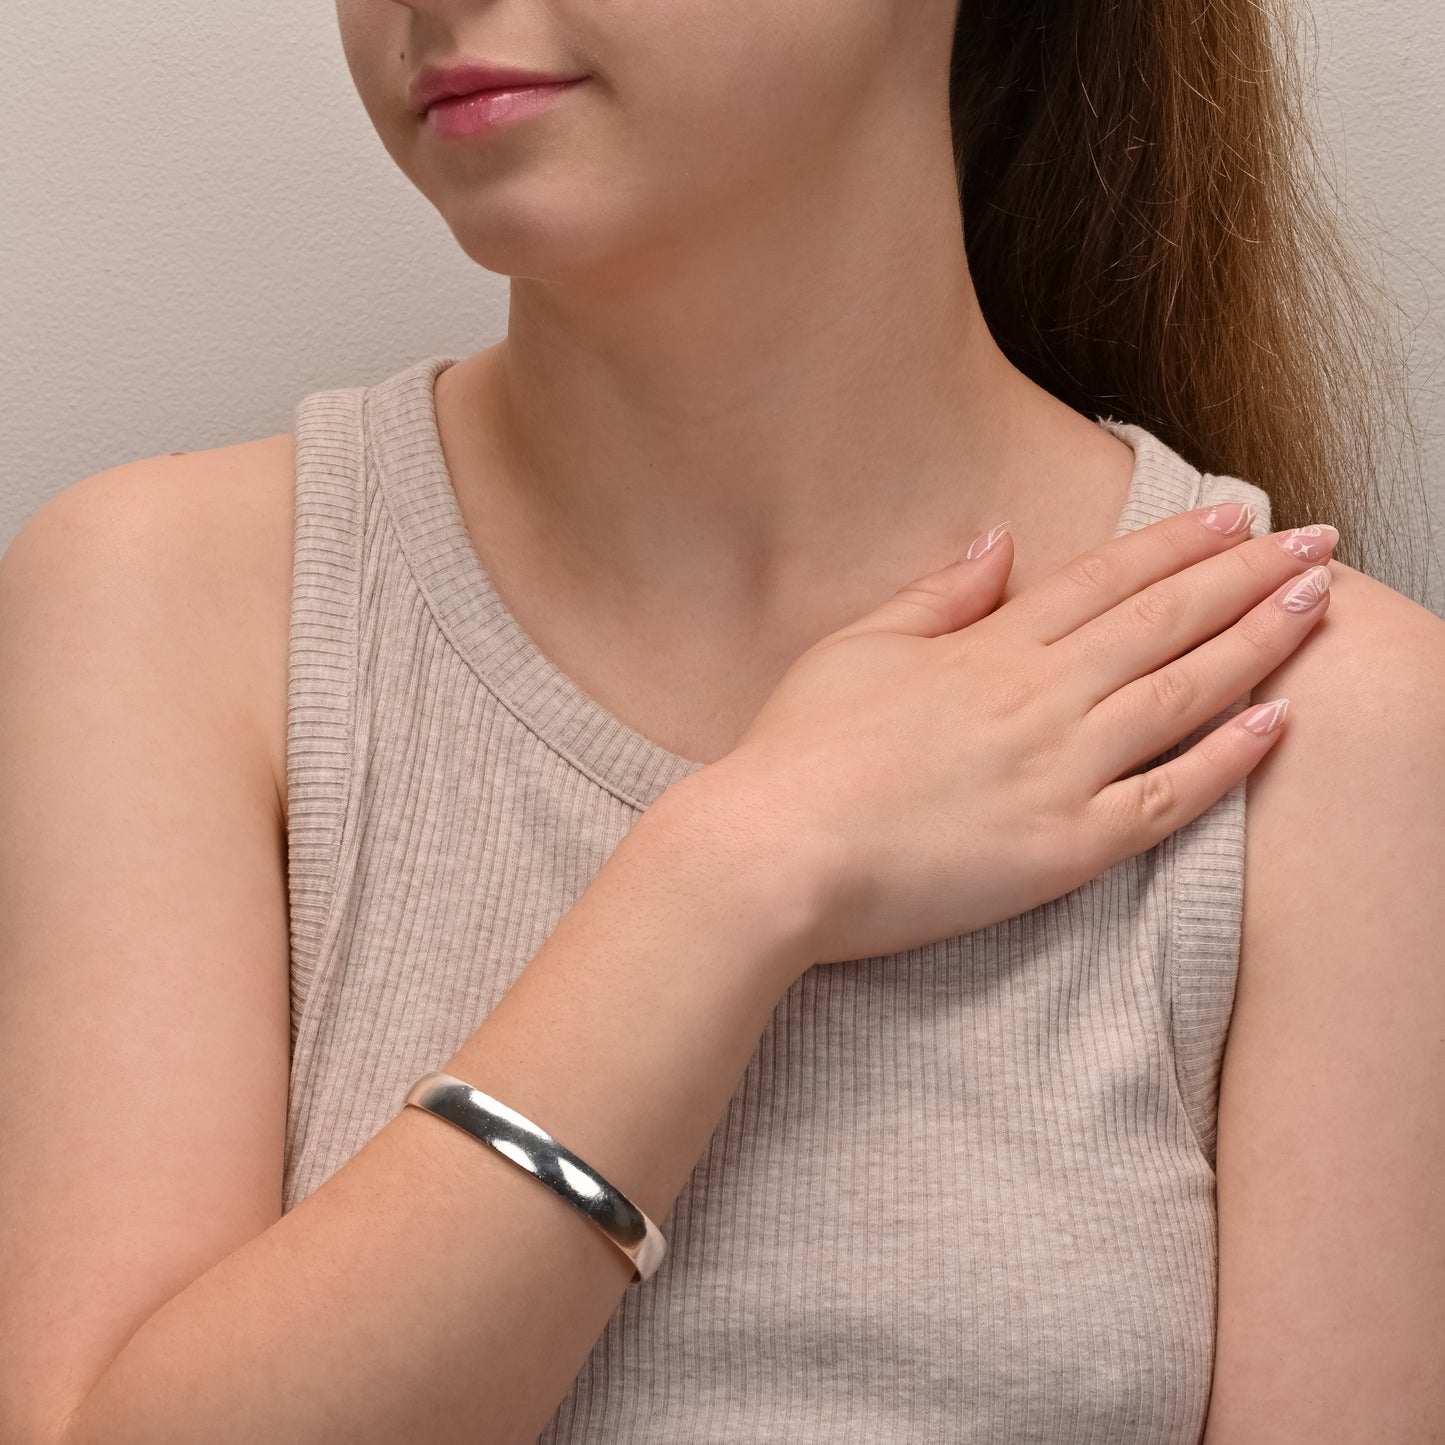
point(742, 428)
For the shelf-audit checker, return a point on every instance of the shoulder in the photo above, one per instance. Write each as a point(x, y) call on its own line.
point(197, 545)
point(1367, 693)
point(1366, 688)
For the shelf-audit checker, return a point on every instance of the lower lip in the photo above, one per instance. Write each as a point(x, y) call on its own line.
point(486, 109)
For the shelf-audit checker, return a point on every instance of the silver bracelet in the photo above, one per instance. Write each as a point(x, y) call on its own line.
point(536, 1151)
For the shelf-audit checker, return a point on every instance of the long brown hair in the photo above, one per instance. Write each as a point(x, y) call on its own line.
point(1152, 236)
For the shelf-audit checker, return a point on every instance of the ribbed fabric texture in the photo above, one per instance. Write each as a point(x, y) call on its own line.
point(962, 1193)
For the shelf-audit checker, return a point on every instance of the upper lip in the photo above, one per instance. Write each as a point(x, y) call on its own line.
point(434, 82)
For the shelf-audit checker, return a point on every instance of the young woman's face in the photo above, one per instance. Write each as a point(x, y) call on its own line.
point(694, 116)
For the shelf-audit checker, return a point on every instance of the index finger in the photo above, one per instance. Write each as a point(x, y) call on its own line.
point(1102, 576)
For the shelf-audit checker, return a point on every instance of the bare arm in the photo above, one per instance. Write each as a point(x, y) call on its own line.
point(430, 1289)
point(1331, 1168)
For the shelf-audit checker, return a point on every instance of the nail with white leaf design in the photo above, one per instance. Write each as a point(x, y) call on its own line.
point(1305, 591)
point(985, 542)
point(1231, 518)
point(1266, 717)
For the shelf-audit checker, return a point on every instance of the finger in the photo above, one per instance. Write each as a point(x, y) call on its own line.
point(1104, 576)
point(954, 596)
point(1168, 618)
point(1151, 715)
point(1138, 812)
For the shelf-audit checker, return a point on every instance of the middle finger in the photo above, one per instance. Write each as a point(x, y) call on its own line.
point(1163, 621)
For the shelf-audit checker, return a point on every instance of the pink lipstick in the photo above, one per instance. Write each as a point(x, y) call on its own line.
point(484, 110)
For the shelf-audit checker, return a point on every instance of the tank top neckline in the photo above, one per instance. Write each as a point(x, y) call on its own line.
point(403, 445)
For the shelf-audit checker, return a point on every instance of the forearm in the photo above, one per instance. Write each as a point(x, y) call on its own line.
point(432, 1289)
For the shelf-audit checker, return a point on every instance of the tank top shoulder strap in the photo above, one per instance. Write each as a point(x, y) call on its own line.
point(321, 708)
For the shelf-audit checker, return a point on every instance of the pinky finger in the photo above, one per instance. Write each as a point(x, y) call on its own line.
point(1142, 810)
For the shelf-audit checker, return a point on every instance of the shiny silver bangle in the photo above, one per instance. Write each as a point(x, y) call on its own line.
point(536, 1151)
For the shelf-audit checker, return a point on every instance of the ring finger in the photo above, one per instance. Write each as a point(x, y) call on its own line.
point(1150, 715)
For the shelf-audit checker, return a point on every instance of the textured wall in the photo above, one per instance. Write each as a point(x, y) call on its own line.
point(199, 225)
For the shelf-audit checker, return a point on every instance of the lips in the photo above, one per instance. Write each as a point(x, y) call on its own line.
point(435, 83)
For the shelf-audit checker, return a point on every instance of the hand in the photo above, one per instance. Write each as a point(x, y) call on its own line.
point(944, 762)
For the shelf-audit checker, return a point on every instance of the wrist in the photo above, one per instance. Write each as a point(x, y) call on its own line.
point(725, 837)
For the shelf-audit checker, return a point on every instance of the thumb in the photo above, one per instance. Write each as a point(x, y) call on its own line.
point(950, 598)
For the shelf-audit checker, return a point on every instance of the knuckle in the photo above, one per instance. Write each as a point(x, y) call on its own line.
point(1155, 609)
point(1259, 566)
point(1013, 693)
point(1094, 648)
point(1138, 807)
point(1090, 571)
point(922, 599)
point(922, 593)
point(1183, 542)
point(1256, 572)
point(1175, 691)
point(1257, 634)
point(1155, 797)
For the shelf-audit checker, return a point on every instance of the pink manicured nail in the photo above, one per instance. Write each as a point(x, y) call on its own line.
point(1231, 518)
point(1306, 591)
point(985, 542)
point(1309, 544)
point(1266, 717)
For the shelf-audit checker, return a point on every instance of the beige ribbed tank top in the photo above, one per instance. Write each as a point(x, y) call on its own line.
point(962, 1193)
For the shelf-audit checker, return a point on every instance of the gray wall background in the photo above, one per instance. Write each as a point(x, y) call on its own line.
point(199, 226)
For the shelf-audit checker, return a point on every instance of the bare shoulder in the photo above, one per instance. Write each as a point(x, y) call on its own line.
point(1366, 690)
point(210, 533)
point(1376, 657)
point(1331, 1147)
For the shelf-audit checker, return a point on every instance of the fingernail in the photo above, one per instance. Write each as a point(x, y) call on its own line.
point(1305, 591)
point(1266, 717)
point(985, 542)
point(1309, 543)
point(1231, 518)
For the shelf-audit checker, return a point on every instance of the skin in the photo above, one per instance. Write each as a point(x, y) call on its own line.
point(752, 458)
point(707, 512)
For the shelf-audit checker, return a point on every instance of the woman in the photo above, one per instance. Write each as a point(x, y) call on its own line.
point(607, 721)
